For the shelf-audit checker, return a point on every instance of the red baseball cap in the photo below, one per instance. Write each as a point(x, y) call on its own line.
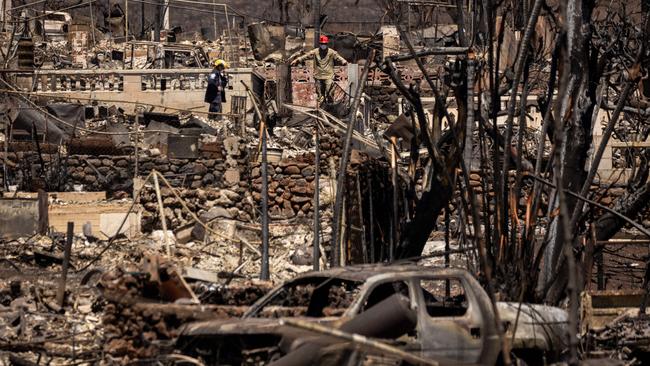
point(324, 40)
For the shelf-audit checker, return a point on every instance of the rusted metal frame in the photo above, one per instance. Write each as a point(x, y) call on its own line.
point(522, 57)
point(338, 206)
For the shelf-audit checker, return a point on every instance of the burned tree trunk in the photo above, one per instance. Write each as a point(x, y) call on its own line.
point(579, 75)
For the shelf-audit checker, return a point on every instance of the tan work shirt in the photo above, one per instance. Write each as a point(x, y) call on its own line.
point(323, 67)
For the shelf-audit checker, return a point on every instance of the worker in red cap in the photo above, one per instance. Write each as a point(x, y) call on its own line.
point(324, 58)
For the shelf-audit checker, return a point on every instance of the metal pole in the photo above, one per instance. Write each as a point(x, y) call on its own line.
point(447, 249)
point(469, 126)
point(163, 219)
point(364, 248)
point(126, 24)
point(156, 28)
point(4, 161)
point(92, 21)
point(264, 275)
point(316, 204)
point(60, 295)
point(232, 51)
point(371, 217)
point(142, 21)
point(126, 31)
point(137, 142)
point(214, 18)
point(166, 24)
point(340, 180)
point(316, 6)
point(393, 165)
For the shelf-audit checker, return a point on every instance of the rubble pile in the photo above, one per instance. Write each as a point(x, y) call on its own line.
point(627, 338)
point(144, 309)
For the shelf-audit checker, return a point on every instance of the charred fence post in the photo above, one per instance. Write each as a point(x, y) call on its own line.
point(316, 252)
point(371, 218)
point(60, 294)
point(43, 218)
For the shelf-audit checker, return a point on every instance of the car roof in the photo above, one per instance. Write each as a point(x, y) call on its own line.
point(362, 273)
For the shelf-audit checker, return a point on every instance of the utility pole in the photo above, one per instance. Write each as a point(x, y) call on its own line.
point(166, 25)
point(316, 4)
point(142, 21)
point(156, 28)
point(126, 24)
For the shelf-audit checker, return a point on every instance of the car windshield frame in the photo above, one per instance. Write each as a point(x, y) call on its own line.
point(256, 309)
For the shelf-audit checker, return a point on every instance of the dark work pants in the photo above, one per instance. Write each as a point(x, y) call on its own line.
point(215, 109)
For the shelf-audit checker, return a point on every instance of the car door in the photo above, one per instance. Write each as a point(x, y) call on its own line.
point(449, 323)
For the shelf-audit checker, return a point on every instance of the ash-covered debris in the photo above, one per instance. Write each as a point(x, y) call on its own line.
point(170, 178)
point(627, 338)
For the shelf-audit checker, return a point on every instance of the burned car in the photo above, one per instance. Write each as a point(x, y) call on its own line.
point(436, 314)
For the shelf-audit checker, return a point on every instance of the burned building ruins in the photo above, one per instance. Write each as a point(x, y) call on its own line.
point(314, 182)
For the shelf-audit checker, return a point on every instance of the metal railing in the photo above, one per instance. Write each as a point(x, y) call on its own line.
point(52, 81)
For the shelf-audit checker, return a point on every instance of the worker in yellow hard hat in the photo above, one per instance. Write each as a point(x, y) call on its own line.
point(215, 94)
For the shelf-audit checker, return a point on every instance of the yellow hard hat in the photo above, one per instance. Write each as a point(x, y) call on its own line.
point(218, 62)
